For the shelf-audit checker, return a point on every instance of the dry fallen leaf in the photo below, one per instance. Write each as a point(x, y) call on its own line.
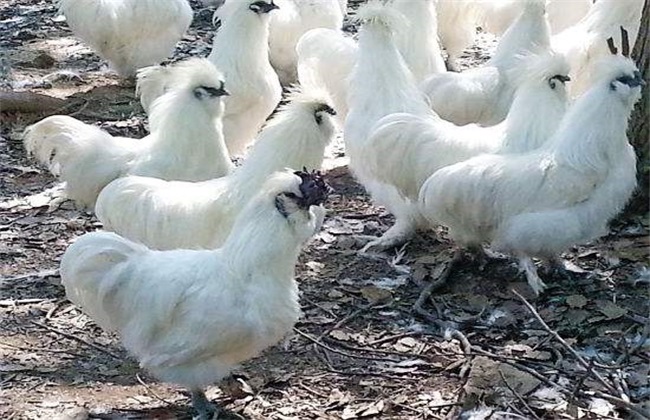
point(375, 294)
point(576, 301)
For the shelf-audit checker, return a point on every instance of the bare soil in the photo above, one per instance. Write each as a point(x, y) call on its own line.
point(360, 350)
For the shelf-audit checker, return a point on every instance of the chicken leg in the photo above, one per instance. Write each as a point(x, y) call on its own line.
point(396, 235)
point(204, 408)
point(527, 265)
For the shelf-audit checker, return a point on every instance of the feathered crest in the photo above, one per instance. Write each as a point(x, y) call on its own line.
point(539, 66)
point(311, 99)
point(376, 13)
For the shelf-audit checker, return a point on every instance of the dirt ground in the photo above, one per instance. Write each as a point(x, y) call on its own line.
point(360, 350)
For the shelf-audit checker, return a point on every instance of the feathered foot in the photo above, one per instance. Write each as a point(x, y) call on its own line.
point(397, 235)
point(205, 409)
point(527, 265)
point(483, 256)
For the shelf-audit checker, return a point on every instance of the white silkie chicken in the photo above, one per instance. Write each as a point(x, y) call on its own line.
point(419, 45)
point(240, 51)
point(457, 20)
point(168, 215)
point(290, 22)
point(325, 60)
point(584, 43)
point(190, 316)
point(539, 203)
point(326, 57)
point(483, 95)
point(405, 149)
point(380, 84)
point(496, 16)
point(129, 34)
point(186, 142)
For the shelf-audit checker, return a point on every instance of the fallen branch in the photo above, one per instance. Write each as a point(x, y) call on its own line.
point(11, 101)
point(621, 403)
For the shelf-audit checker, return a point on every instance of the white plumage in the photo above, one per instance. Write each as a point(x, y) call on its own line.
point(418, 43)
point(168, 215)
point(457, 20)
point(241, 51)
point(189, 316)
point(584, 43)
point(290, 22)
point(539, 203)
point(185, 143)
point(129, 34)
point(380, 84)
point(325, 60)
point(483, 95)
point(405, 149)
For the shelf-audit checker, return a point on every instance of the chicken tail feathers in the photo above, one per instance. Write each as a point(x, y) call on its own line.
point(90, 271)
point(84, 156)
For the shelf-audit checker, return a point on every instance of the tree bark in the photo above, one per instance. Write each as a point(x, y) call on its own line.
point(639, 129)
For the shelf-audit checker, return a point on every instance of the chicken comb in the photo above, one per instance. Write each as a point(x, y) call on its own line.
point(625, 43)
point(612, 47)
point(313, 187)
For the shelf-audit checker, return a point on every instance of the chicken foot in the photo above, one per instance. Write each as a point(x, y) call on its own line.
point(395, 236)
point(203, 407)
point(527, 265)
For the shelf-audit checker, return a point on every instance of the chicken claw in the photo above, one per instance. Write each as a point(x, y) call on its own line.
point(527, 265)
point(397, 235)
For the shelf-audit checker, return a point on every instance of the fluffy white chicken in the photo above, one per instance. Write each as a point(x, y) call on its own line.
point(186, 142)
point(129, 34)
point(419, 44)
point(189, 316)
point(457, 20)
point(326, 57)
point(483, 95)
point(496, 16)
point(584, 43)
point(405, 149)
point(168, 215)
point(290, 22)
point(539, 203)
point(380, 84)
point(325, 60)
point(241, 52)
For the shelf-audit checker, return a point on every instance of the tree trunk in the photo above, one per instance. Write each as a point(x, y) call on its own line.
point(639, 130)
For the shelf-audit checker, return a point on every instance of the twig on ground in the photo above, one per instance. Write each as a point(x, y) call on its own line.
point(518, 396)
point(341, 322)
point(37, 275)
point(79, 339)
point(621, 403)
point(312, 391)
point(339, 352)
point(394, 337)
point(587, 365)
point(10, 302)
point(151, 391)
point(40, 349)
point(435, 284)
